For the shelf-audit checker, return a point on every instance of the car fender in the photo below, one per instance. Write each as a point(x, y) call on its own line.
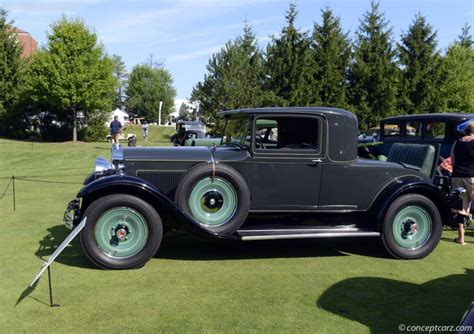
point(405, 186)
point(125, 184)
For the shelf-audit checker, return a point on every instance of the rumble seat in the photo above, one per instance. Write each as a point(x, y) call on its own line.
point(422, 156)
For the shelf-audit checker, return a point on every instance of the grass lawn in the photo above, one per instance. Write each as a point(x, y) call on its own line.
point(190, 285)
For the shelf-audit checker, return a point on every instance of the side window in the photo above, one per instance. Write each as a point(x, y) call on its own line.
point(287, 134)
point(413, 130)
point(391, 130)
point(435, 131)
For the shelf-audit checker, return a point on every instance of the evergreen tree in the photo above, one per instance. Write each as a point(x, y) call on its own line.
point(373, 74)
point(288, 66)
point(234, 78)
point(330, 52)
point(457, 75)
point(73, 74)
point(420, 68)
point(465, 39)
point(10, 65)
point(146, 87)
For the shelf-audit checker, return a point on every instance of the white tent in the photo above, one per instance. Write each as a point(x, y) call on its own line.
point(123, 117)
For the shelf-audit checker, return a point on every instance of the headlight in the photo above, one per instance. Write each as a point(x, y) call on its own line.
point(103, 167)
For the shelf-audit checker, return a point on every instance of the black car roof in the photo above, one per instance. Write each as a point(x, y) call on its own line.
point(302, 110)
point(458, 117)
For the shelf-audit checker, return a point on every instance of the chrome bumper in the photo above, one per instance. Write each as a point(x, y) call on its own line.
point(72, 213)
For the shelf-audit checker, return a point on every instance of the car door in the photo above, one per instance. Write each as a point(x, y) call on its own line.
point(285, 167)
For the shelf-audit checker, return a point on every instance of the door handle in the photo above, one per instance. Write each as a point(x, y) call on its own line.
point(315, 162)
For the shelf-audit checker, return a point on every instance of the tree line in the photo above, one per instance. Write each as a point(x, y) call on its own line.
point(372, 76)
point(70, 86)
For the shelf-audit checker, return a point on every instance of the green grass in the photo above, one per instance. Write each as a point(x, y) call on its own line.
point(310, 286)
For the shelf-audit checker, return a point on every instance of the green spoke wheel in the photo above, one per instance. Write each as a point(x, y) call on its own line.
point(213, 202)
point(412, 227)
point(121, 232)
point(219, 204)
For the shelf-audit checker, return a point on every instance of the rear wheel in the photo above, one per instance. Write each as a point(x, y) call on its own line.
point(412, 227)
point(122, 232)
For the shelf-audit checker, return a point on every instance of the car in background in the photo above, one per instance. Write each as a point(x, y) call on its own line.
point(188, 130)
point(436, 129)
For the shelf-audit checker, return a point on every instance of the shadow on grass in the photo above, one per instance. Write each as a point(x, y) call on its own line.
point(186, 247)
point(384, 304)
point(72, 255)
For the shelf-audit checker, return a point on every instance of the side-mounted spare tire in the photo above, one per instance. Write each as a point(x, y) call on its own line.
point(412, 227)
point(219, 200)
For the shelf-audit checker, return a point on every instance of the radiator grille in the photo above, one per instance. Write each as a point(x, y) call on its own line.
point(165, 181)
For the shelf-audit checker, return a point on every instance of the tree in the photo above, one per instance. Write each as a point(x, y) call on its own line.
point(330, 52)
point(457, 75)
point(420, 68)
point(146, 87)
point(73, 74)
point(234, 78)
point(10, 65)
point(373, 74)
point(120, 74)
point(465, 39)
point(288, 67)
point(183, 112)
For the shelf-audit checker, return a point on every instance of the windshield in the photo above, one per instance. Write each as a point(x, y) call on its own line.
point(236, 131)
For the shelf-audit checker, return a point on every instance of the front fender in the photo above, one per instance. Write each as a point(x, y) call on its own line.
point(411, 186)
point(125, 184)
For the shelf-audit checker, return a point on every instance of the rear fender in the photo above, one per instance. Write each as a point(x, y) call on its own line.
point(410, 186)
point(124, 184)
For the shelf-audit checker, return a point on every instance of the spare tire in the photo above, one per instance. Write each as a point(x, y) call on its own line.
point(220, 202)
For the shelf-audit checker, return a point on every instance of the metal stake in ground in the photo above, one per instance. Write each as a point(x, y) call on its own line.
point(14, 196)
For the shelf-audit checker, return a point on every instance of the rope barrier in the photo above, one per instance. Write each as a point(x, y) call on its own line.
point(8, 185)
point(45, 181)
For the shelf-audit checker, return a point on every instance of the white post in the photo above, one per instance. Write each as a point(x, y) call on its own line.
point(159, 113)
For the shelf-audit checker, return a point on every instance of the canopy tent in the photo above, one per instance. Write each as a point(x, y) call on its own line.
point(123, 117)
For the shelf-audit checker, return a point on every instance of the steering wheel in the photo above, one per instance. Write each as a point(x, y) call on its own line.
point(259, 140)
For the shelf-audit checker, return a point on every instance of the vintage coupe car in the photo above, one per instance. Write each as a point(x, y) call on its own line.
point(302, 178)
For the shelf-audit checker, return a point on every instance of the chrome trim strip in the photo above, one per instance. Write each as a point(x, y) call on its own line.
point(310, 235)
point(294, 230)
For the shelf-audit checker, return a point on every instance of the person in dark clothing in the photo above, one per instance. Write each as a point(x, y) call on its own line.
point(115, 130)
point(462, 157)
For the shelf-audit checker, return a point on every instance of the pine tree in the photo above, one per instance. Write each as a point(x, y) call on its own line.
point(234, 78)
point(330, 52)
point(465, 39)
point(288, 65)
point(457, 75)
point(420, 68)
point(373, 74)
point(10, 64)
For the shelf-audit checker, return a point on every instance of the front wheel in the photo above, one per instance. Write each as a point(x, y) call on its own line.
point(122, 232)
point(412, 227)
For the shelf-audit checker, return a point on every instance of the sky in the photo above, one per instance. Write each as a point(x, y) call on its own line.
point(185, 33)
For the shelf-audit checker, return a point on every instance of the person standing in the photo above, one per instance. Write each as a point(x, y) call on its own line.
point(462, 159)
point(115, 130)
point(145, 126)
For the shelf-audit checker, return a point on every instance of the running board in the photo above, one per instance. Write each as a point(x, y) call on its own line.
point(254, 234)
